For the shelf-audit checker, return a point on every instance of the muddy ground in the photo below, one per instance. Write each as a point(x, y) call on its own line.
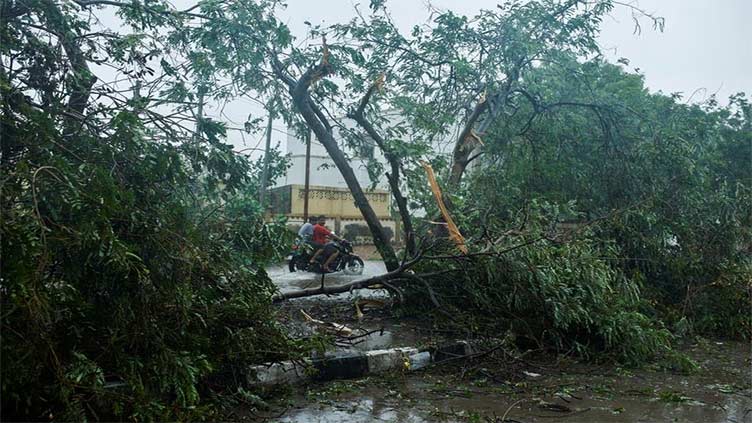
point(499, 387)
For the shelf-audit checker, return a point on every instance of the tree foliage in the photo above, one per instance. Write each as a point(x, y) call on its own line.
point(133, 249)
point(638, 212)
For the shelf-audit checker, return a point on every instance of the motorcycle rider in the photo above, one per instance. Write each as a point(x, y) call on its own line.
point(319, 241)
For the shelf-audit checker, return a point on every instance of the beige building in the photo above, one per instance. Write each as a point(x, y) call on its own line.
point(336, 204)
point(328, 191)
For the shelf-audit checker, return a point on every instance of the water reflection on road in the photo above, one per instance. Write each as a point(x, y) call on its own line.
point(288, 281)
point(416, 403)
point(719, 392)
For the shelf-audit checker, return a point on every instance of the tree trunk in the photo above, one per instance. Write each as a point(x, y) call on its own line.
point(469, 138)
point(401, 201)
point(318, 123)
point(361, 201)
point(82, 80)
point(393, 176)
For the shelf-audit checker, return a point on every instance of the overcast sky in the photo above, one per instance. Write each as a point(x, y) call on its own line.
point(706, 44)
point(705, 48)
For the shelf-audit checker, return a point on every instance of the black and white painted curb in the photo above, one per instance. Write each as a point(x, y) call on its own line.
point(354, 364)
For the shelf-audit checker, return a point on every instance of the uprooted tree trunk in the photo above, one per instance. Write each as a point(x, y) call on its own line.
point(394, 176)
point(317, 121)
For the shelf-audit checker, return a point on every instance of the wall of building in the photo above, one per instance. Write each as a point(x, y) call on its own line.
point(338, 226)
point(289, 200)
point(336, 204)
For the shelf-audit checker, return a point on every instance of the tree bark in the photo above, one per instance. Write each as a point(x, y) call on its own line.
point(82, 80)
point(464, 146)
point(393, 176)
point(318, 123)
point(469, 138)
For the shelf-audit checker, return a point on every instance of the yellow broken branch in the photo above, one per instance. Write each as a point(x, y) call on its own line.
point(322, 68)
point(379, 82)
point(474, 135)
point(454, 232)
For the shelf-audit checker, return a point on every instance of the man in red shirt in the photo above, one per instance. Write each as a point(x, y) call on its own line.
point(320, 238)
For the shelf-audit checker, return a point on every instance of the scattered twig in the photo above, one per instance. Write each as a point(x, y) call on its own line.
point(504, 417)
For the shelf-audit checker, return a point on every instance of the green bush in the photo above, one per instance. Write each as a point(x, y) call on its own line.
point(130, 287)
point(665, 183)
point(562, 297)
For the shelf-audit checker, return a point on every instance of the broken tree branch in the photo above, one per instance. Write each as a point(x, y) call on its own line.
point(489, 109)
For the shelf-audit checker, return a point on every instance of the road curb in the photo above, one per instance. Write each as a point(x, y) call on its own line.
point(353, 365)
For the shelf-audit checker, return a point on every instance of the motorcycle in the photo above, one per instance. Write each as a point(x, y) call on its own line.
point(346, 261)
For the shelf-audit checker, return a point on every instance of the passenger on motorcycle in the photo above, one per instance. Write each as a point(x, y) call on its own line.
point(305, 233)
point(319, 241)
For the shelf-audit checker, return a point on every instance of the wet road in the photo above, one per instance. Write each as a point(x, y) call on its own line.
point(288, 281)
point(340, 308)
point(719, 392)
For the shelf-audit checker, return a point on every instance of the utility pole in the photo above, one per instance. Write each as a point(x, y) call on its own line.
point(137, 96)
point(307, 174)
point(267, 158)
point(199, 113)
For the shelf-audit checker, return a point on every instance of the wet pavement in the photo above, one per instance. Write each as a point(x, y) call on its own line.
point(721, 391)
point(375, 318)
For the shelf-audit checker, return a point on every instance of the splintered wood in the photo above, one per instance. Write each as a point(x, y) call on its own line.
point(379, 82)
point(454, 232)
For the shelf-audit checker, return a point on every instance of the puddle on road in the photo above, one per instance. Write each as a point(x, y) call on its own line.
point(721, 392)
point(288, 281)
point(417, 402)
point(382, 338)
point(374, 341)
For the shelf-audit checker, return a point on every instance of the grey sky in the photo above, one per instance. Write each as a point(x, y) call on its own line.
point(706, 46)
